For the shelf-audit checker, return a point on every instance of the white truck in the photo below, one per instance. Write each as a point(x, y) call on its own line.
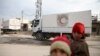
point(52, 25)
point(11, 25)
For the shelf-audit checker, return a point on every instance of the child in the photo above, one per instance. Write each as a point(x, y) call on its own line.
point(60, 46)
point(78, 46)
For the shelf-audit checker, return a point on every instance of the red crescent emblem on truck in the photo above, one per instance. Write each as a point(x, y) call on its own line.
point(62, 20)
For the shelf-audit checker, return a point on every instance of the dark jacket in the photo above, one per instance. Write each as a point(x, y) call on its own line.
point(79, 48)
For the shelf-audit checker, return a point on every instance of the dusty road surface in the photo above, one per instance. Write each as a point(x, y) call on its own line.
point(23, 50)
point(28, 46)
point(94, 48)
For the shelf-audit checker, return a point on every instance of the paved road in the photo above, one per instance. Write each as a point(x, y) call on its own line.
point(23, 50)
point(16, 46)
point(94, 48)
point(36, 50)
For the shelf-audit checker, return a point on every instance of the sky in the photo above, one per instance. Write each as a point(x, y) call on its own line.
point(13, 8)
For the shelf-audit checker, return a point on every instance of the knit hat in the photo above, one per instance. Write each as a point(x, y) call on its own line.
point(61, 42)
point(79, 27)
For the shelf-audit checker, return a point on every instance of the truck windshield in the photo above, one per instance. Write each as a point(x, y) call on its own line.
point(36, 22)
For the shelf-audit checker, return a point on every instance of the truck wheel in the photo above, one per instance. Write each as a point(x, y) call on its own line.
point(39, 36)
point(47, 36)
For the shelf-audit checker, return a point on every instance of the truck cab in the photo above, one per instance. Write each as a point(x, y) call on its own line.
point(37, 31)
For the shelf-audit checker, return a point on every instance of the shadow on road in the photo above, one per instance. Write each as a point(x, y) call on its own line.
point(28, 41)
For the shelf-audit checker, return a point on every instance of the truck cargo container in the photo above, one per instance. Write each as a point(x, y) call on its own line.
point(11, 25)
point(54, 24)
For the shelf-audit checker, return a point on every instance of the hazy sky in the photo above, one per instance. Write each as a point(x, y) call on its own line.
point(12, 8)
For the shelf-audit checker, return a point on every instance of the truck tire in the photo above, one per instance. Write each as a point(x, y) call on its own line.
point(47, 36)
point(39, 36)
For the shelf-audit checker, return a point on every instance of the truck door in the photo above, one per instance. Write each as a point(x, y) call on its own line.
point(36, 25)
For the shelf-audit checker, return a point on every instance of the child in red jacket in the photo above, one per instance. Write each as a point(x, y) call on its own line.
point(78, 46)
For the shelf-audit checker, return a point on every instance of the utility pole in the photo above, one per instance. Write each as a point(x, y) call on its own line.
point(22, 14)
point(1, 26)
point(38, 9)
point(22, 20)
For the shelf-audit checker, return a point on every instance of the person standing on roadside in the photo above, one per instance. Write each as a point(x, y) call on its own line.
point(79, 46)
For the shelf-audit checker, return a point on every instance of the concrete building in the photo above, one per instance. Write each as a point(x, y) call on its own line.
point(95, 25)
point(25, 24)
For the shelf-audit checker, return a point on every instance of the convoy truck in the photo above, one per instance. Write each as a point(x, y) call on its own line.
point(56, 24)
point(11, 25)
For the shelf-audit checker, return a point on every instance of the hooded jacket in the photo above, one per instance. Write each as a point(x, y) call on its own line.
point(80, 47)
